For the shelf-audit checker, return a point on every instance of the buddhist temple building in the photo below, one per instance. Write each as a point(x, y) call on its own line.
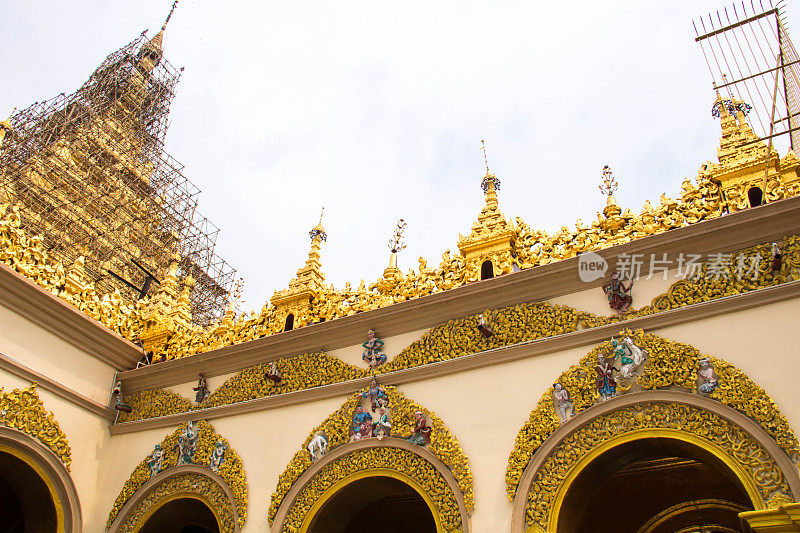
point(633, 374)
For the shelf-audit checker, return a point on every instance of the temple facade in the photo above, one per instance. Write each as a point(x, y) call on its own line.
point(636, 373)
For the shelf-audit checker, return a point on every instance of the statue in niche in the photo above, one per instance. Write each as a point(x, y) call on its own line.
point(707, 378)
point(376, 395)
point(562, 402)
point(422, 431)
point(155, 460)
point(274, 373)
point(606, 385)
point(217, 457)
point(318, 446)
point(777, 258)
point(483, 327)
point(119, 403)
point(383, 426)
point(630, 356)
point(373, 350)
point(362, 424)
point(619, 296)
point(187, 445)
point(201, 392)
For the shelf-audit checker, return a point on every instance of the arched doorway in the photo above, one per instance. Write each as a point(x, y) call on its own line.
point(25, 500)
point(755, 196)
point(487, 270)
point(182, 515)
point(289, 324)
point(384, 502)
point(654, 485)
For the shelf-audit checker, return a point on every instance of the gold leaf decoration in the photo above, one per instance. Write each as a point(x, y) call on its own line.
point(23, 410)
point(231, 470)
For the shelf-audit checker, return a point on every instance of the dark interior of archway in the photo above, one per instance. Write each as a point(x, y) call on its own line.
point(25, 501)
point(487, 270)
point(377, 503)
point(184, 515)
point(654, 486)
point(755, 196)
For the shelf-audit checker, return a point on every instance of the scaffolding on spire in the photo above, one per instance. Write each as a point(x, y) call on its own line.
point(753, 62)
point(89, 173)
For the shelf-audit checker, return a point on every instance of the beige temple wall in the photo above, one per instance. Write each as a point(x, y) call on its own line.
point(484, 409)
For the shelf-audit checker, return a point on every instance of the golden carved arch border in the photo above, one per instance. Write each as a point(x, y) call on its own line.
point(53, 472)
point(388, 454)
point(231, 473)
point(185, 481)
point(769, 476)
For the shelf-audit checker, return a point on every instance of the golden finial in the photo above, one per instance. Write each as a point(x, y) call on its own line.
point(485, 159)
point(164, 26)
point(397, 243)
point(488, 178)
point(609, 184)
point(318, 230)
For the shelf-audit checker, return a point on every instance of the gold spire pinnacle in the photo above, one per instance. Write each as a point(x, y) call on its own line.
point(485, 159)
point(609, 184)
point(490, 183)
point(318, 231)
point(172, 10)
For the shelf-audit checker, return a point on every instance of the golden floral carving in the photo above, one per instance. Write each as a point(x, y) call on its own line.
point(670, 365)
point(153, 403)
point(736, 442)
point(231, 470)
point(336, 426)
point(23, 410)
point(182, 484)
point(395, 459)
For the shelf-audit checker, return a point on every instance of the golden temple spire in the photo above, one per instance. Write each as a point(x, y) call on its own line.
point(153, 50)
point(490, 183)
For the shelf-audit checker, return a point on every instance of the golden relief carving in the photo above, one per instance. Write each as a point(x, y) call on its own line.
point(231, 469)
point(669, 365)
point(395, 459)
point(336, 427)
point(189, 483)
point(23, 410)
point(735, 442)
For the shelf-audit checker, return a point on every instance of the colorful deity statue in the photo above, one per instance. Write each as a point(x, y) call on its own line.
point(318, 445)
point(376, 395)
point(383, 426)
point(606, 385)
point(707, 378)
point(362, 424)
point(630, 356)
point(562, 402)
point(274, 374)
point(422, 431)
point(373, 350)
point(619, 296)
point(155, 460)
point(201, 392)
point(483, 327)
point(217, 457)
point(187, 445)
point(119, 403)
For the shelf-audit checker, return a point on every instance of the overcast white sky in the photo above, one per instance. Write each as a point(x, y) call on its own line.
point(376, 111)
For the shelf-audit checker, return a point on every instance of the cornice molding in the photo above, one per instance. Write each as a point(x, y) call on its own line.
point(27, 299)
point(725, 234)
point(76, 398)
point(506, 354)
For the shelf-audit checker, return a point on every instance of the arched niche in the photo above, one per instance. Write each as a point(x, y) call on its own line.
point(487, 270)
point(689, 426)
point(52, 480)
point(185, 482)
point(371, 469)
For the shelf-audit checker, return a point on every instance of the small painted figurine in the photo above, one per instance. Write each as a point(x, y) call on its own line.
point(563, 403)
point(707, 379)
point(383, 426)
point(154, 460)
point(777, 258)
point(120, 404)
point(630, 356)
point(274, 373)
point(619, 296)
point(201, 392)
point(483, 327)
point(422, 431)
point(373, 350)
point(606, 385)
point(377, 395)
point(187, 445)
point(318, 445)
point(360, 419)
point(217, 457)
